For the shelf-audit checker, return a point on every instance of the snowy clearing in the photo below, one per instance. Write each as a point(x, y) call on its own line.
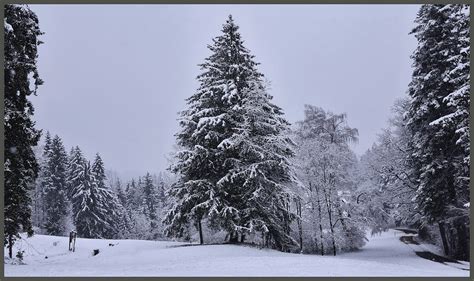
point(384, 255)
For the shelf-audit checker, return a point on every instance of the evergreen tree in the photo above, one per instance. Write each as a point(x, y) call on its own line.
point(93, 216)
point(150, 202)
point(458, 102)
point(88, 223)
point(459, 99)
point(211, 142)
point(55, 187)
point(438, 117)
point(107, 205)
point(161, 190)
point(21, 32)
point(46, 148)
point(124, 224)
point(209, 120)
point(75, 167)
point(121, 195)
point(99, 171)
point(134, 194)
point(138, 224)
point(257, 187)
point(128, 195)
point(98, 177)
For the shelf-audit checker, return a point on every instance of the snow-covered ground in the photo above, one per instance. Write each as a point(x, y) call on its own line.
point(384, 255)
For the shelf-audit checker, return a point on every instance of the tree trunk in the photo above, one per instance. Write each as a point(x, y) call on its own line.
point(313, 220)
point(300, 223)
point(201, 240)
point(320, 220)
point(452, 238)
point(234, 237)
point(329, 204)
point(442, 231)
point(42, 215)
point(242, 238)
point(343, 223)
point(333, 243)
point(287, 216)
point(10, 246)
point(462, 251)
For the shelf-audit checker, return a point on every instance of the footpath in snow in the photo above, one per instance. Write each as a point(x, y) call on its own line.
point(384, 255)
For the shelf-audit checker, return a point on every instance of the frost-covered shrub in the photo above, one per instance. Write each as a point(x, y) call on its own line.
point(332, 217)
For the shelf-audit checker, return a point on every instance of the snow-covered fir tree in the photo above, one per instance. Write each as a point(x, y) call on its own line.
point(93, 216)
point(21, 32)
point(212, 154)
point(107, 204)
point(123, 223)
point(55, 187)
point(143, 205)
point(121, 193)
point(438, 118)
point(209, 120)
point(75, 166)
point(161, 186)
point(150, 203)
point(257, 188)
point(85, 220)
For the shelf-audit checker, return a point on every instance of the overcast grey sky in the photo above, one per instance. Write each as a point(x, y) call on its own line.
point(116, 75)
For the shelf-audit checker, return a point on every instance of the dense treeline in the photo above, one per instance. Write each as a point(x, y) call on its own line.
point(421, 163)
point(244, 174)
point(72, 194)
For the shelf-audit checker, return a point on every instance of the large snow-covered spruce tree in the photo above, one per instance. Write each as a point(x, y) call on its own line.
point(256, 188)
point(229, 174)
point(55, 188)
point(438, 121)
point(21, 32)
